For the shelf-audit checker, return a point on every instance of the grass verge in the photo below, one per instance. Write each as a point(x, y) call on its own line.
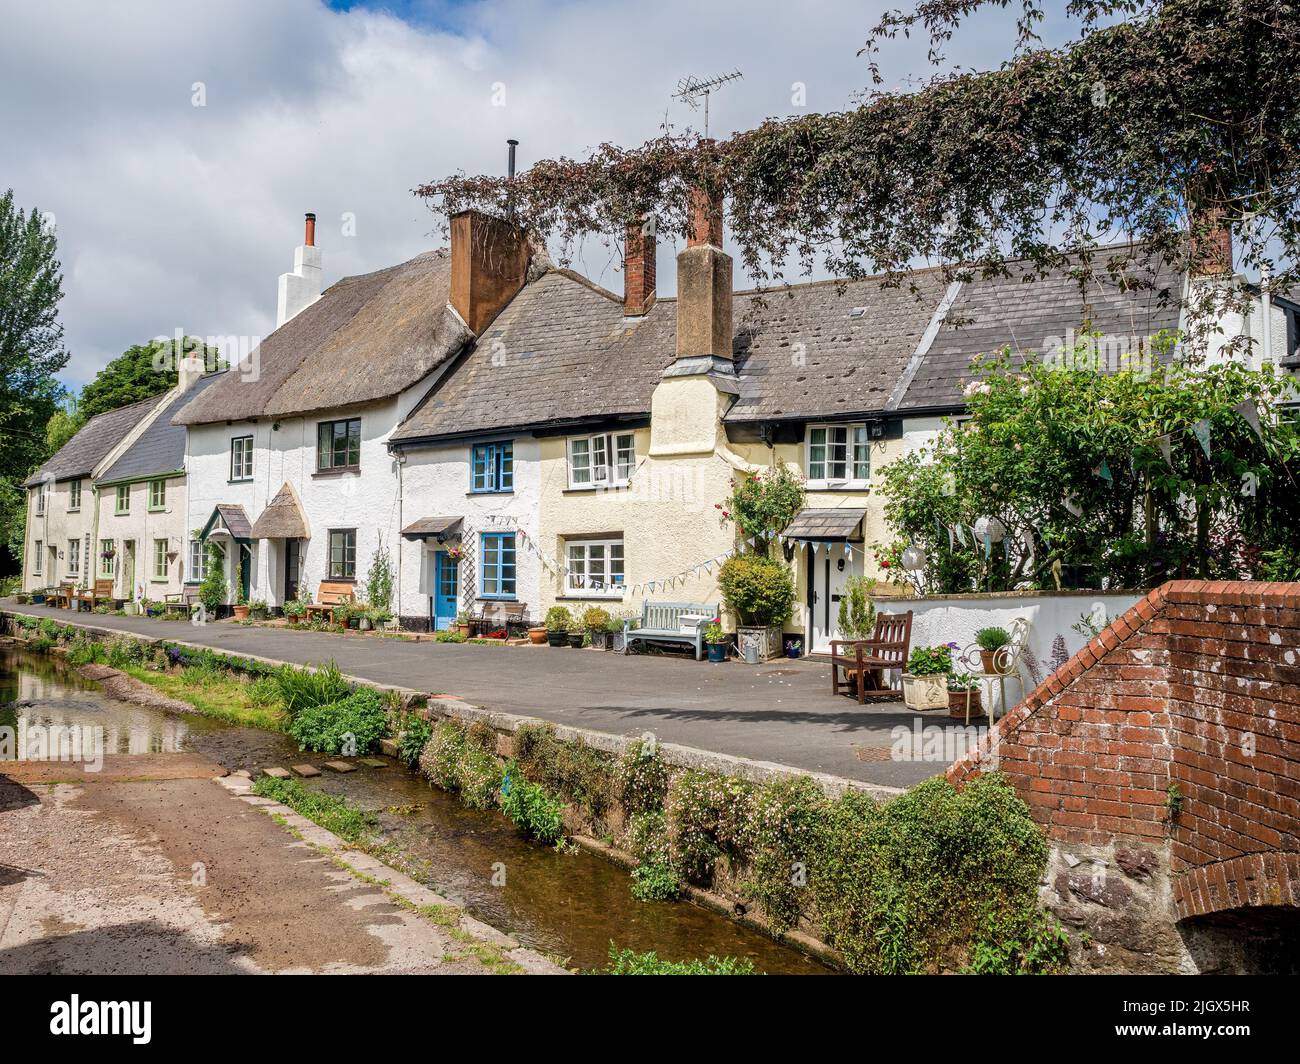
point(218, 695)
point(333, 814)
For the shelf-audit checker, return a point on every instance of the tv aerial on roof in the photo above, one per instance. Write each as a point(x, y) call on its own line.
point(691, 90)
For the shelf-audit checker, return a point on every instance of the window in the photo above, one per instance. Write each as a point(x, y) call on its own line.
point(123, 505)
point(42, 491)
point(160, 559)
point(497, 565)
point(74, 495)
point(157, 494)
point(343, 554)
point(74, 557)
point(839, 453)
point(197, 568)
point(241, 458)
point(40, 553)
point(602, 461)
point(493, 467)
point(338, 444)
point(107, 556)
point(595, 567)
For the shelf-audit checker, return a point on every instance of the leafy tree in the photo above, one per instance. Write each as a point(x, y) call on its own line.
point(1118, 479)
point(141, 371)
point(31, 352)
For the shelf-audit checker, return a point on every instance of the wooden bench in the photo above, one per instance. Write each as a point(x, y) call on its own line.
point(863, 661)
point(496, 615)
point(329, 596)
point(90, 597)
point(63, 596)
point(182, 601)
point(672, 622)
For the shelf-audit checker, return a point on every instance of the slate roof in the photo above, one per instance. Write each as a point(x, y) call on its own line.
point(441, 527)
point(366, 338)
point(161, 447)
point(79, 456)
point(1029, 315)
point(824, 523)
point(233, 517)
point(548, 358)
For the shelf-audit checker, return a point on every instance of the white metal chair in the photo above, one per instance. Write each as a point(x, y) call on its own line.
point(1006, 667)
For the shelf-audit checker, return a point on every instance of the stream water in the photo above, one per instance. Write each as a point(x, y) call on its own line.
point(569, 905)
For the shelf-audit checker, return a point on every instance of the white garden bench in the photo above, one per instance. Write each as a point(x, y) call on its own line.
point(672, 622)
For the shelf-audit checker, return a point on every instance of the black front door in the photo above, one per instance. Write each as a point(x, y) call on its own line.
point(292, 549)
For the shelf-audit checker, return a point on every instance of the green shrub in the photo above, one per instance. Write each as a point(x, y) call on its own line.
point(787, 813)
point(641, 778)
point(629, 962)
point(930, 661)
point(479, 776)
point(573, 770)
point(535, 813)
point(123, 652)
point(86, 651)
point(412, 733)
point(440, 758)
point(303, 688)
point(326, 728)
point(758, 590)
point(646, 838)
point(709, 817)
point(655, 882)
point(459, 761)
point(449, 637)
point(595, 619)
point(558, 619)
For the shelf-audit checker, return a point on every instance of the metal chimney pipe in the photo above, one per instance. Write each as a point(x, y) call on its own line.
point(510, 166)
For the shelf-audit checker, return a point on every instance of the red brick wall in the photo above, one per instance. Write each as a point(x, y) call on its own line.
point(1198, 685)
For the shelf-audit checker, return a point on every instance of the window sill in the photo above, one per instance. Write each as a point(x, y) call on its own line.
point(158, 510)
point(577, 596)
point(70, 510)
point(490, 491)
point(340, 471)
point(240, 480)
point(837, 485)
point(584, 489)
point(340, 580)
point(497, 598)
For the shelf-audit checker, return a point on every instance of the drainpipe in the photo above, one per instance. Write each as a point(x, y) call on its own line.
point(1266, 300)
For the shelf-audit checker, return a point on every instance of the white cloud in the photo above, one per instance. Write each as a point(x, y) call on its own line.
point(174, 216)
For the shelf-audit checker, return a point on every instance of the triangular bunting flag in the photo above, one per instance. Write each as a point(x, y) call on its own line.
point(1166, 445)
point(1103, 471)
point(1248, 410)
point(1201, 430)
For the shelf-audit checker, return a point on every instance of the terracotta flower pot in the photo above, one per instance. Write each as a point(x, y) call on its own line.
point(957, 705)
point(994, 661)
point(241, 613)
point(537, 636)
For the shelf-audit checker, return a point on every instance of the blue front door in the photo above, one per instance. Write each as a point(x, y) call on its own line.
point(446, 587)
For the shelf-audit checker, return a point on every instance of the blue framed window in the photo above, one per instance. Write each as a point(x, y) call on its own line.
point(492, 467)
point(497, 565)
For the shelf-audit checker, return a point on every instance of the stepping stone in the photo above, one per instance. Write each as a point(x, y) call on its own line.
point(388, 746)
point(340, 766)
point(277, 773)
point(373, 762)
point(306, 770)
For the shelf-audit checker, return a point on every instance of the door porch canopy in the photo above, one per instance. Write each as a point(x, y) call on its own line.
point(283, 517)
point(440, 529)
point(826, 524)
point(228, 520)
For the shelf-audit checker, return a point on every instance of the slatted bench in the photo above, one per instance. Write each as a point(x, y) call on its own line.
point(672, 622)
point(864, 661)
point(182, 602)
point(102, 592)
point(328, 596)
point(500, 615)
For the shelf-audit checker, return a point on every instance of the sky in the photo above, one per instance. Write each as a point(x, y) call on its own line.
point(176, 145)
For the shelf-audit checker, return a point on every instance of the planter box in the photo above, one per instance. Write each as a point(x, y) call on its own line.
point(925, 692)
point(767, 640)
point(617, 642)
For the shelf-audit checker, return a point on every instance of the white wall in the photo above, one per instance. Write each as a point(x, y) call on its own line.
point(436, 483)
point(55, 528)
point(956, 618)
point(144, 526)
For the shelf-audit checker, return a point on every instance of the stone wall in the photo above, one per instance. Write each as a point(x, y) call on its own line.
point(1163, 760)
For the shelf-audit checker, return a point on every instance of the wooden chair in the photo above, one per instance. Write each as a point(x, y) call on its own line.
point(90, 597)
point(864, 661)
point(328, 596)
point(64, 595)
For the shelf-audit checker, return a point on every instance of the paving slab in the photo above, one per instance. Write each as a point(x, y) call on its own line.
point(340, 766)
point(373, 762)
point(306, 771)
point(276, 773)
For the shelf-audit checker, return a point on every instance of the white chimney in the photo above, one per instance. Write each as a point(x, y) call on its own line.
point(301, 288)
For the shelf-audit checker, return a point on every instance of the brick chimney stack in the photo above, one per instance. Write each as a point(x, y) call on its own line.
point(489, 264)
point(638, 269)
point(705, 219)
point(704, 285)
point(1211, 231)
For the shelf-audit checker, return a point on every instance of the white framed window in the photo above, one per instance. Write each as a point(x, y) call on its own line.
point(39, 551)
point(74, 496)
point(606, 460)
point(160, 559)
point(74, 557)
point(839, 454)
point(241, 458)
point(197, 568)
point(42, 493)
point(595, 568)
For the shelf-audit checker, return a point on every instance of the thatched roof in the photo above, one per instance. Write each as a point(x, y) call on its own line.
point(366, 338)
point(283, 517)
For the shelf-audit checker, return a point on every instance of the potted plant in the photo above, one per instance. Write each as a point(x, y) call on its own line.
point(596, 622)
point(537, 634)
point(558, 620)
point(715, 639)
point(760, 592)
point(259, 610)
point(793, 648)
point(464, 623)
point(993, 644)
point(964, 695)
point(241, 608)
point(925, 681)
point(577, 635)
point(617, 636)
point(294, 610)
